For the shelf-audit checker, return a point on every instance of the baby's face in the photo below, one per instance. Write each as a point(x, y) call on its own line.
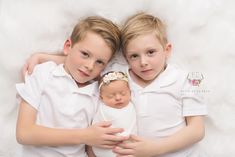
point(116, 94)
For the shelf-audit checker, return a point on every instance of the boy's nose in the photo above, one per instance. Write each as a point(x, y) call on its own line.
point(90, 65)
point(143, 61)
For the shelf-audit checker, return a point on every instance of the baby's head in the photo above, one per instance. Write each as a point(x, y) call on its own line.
point(145, 46)
point(92, 44)
point(114, 89)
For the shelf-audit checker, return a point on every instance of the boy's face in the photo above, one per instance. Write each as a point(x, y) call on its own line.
point(116, 94)
point(87, 58)
point(146, 57)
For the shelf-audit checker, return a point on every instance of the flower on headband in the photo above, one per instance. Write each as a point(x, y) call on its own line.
point(113, 76)
point(109, 77)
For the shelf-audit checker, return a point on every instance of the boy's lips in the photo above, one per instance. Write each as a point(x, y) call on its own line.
point(146, 71)
point(84, 73)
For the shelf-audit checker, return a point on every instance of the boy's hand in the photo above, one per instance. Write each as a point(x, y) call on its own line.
point(31, 62)
point(39, 58)
point(135, 147)
point(102, 135)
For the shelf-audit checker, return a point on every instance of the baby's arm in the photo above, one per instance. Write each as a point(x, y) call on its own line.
point(139, 147)
point(38, 58)
point(29, 133)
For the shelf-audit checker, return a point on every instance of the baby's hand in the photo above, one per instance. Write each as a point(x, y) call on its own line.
point(102, 135)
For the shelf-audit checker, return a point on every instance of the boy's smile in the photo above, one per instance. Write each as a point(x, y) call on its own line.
point(85, 74)
point(147, 71)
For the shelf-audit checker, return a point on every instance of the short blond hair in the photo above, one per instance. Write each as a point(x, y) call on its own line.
point(140, 24)
point(101, 26)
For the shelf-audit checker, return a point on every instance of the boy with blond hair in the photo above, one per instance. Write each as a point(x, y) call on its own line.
point(58, 101)
point(170, 110)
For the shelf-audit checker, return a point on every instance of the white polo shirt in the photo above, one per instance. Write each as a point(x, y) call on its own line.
point(60, 103)
point(163, 105)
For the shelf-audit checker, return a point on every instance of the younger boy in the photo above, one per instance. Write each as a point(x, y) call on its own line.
point(169, 109)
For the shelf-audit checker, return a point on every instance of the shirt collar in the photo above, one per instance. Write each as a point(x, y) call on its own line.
point(90, 89)
point(60, 71)
point(167, 77)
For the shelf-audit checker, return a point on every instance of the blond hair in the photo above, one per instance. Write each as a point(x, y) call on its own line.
point(101, 26)
point(140, 24)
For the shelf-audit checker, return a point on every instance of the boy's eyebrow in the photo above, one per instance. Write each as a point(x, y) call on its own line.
point(90, 53)
point(87, 51)
point(131, 52)
point(145, 49)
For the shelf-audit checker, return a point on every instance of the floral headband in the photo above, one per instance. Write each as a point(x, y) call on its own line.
point(112, 76)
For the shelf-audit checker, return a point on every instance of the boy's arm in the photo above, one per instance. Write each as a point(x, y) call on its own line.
point(192, 133)
point(29, 133)
point(189, 135)
point(38, 58)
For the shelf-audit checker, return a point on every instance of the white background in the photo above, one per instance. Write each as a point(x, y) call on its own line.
point(202, 33)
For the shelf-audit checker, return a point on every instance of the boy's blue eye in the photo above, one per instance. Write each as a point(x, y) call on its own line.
point(100, 62)
point(134, 56)
point(151, 52)
point(85, 54)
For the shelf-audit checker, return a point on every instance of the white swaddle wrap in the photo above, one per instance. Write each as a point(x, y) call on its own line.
point(122, 118)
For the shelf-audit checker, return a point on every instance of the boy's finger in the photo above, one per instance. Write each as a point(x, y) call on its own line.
point(121, 151)
point(126, 145)
point(24, 69)
point(104, 124)
point(115, 138)
point(114, 131)
point(31, 67)
point(111, 143)
point(135, 138)
point(107, 146)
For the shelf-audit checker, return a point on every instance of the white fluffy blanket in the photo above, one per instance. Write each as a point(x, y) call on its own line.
point(202, 33)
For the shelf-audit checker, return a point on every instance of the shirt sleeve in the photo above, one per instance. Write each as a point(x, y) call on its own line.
point(193, 99)
point(32, 88)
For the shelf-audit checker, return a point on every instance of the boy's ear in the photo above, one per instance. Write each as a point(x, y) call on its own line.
point(168, 49)
point(67, 46)
point(101, 98)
